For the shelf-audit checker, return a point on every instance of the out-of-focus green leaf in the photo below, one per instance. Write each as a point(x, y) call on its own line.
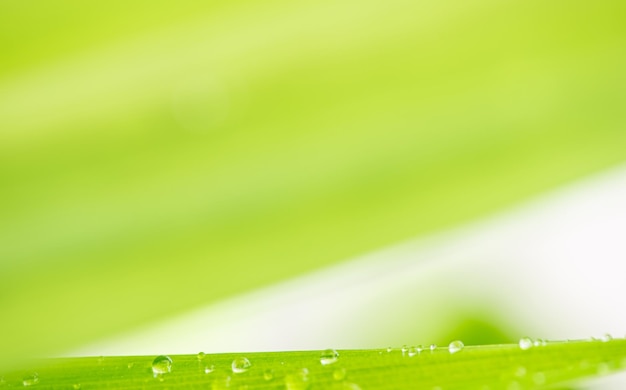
point(196, 155)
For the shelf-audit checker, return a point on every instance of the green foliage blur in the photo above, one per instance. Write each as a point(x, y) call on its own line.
point(156, 156)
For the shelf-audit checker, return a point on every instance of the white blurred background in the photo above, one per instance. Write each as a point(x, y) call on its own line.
point(550, 268)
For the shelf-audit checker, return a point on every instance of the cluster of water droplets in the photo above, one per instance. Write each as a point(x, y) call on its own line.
point(526, 343)
point(411, 351)
point(294, 379)
point(300, 378)
point(207, 368)
point(540, 378)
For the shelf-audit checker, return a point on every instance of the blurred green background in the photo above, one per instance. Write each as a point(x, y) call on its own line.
point(155, 157)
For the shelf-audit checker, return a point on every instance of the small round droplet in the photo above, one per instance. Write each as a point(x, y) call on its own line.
point(30, 379)
point(130, 365)
point(456, 346)
point(240, 365)
point(161, 365)
point(414, 351)
point(329, 356)
point(201, 356)
point(268, 374)
point(540, 343)
point(606, 338)
point(404, 350)
point(389, 349)
point(209, 368)
point(433, 347)
point(339, 374)
point(77, 386)
point(525, 343)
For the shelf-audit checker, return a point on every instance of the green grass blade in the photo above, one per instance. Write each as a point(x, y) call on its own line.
point(479, 367)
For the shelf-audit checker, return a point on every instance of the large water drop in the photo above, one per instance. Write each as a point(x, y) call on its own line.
point(161, 365)
point(329, 356)
point(456, 346)
point(525, 343)
point(30, 379)
point(241, 365)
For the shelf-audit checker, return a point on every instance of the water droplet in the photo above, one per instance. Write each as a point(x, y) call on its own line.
point(339, 374)
point(433, 347)
point(540, 343)
point(209, 369)
point(414, 351)
point(268, 374)
point(456, 346)
point(76, 386)
point(607, 337)
point(201, 355)
point(241, 365)
point(130, 365)
point(389, 349)
point(350, 386)
point(329, 356)
point(30, 379)
point(404, 350)
point(525, 343)
point(298, 380)
point(539, 378)
point(161, 365)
